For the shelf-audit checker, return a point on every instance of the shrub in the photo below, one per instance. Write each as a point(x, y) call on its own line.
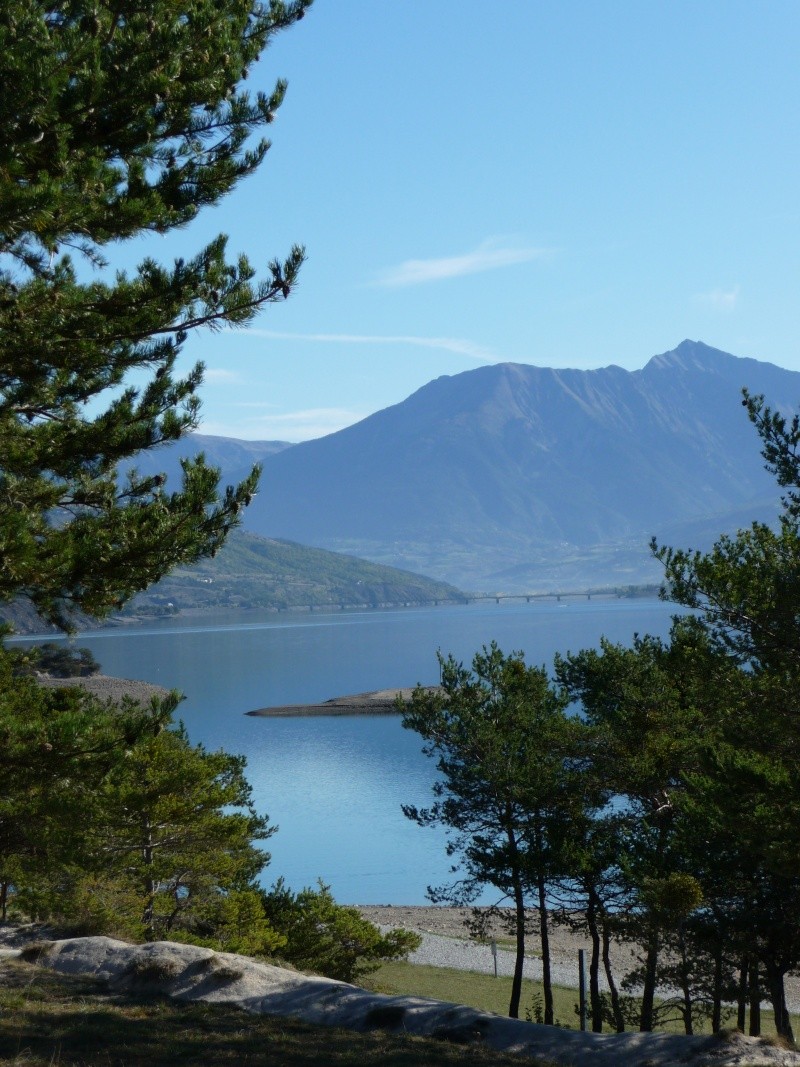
point(329, 938)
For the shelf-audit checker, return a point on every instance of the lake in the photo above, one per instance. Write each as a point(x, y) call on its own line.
point(334, 785)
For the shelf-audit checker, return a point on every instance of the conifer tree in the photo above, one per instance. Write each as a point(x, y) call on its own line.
point(510, 791)
point(176, 822)
point(747, 591)
point(119, 119)
point(57, 748)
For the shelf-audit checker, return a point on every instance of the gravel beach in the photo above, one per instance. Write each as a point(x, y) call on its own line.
point(446, 943)
point(106, 688)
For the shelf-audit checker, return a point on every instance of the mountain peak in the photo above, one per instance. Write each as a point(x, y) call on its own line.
point(691, 355)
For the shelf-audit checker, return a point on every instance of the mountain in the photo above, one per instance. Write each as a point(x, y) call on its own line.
point(513, 476)
point(235, 458)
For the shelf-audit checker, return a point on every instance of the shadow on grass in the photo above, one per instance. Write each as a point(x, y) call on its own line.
point(50, 1019)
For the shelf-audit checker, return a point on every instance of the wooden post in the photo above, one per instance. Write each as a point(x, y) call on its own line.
point(494, 954)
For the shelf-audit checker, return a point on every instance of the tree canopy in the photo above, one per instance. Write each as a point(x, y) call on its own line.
point(119, 120)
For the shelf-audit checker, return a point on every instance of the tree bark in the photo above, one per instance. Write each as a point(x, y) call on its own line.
point(595, 999)
point(149, 882)
point(716, 995)
point(519, 962)
point(519, 918)
point(616, 1007)
point(741, 996)
point(777, 993)
point(547, 984)
point(649, 991)
point(755, 1000)
point(686, 991)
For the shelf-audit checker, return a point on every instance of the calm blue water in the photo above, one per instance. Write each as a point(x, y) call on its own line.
point(335, 785)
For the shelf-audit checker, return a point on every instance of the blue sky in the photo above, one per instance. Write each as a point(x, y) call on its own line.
point(567, 184)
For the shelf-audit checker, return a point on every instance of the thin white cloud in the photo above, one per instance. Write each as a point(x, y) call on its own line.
point(488, 256)
point(447, 344)
point(719, 299)
point(221, 376)
point(292, 426)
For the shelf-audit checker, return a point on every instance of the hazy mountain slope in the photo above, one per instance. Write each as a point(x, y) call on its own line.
point(496, 463)
point(257, 572)
point(234, 458)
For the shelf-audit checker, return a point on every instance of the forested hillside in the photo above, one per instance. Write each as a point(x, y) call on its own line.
point(259, 572)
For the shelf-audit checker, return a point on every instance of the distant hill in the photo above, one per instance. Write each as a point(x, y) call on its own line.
point(252, 572)
point(514, 476)
point(257, 572)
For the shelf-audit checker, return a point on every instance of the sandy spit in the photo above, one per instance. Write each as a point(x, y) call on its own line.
point(379, 702)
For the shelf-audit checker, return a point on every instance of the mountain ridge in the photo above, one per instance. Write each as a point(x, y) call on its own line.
point(557, 476)
point(511, 455)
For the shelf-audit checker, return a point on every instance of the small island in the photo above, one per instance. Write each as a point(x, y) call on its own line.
point(379, 702)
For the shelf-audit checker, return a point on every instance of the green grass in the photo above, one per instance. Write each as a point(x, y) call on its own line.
point(48, 1019)
point(481, 991)
point(488, 993)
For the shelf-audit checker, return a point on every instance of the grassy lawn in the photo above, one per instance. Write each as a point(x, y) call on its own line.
point(48, 1019)
point(492, 994)
point(467, 987)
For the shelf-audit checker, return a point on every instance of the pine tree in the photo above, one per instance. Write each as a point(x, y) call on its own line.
point(118, 120)
point(509, 794)
point(653, 706)
point(747, 591)
point(177, 823)
point(57, 748)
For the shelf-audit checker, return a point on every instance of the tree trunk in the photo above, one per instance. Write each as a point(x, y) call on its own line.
point(741, 996)
point(519, 918)
point(595, 999)
point(547, 984)
point(686, 991)
point(649, 991)
point(777, 993)
point(3, 901)
point(755, 1000)
point(616, 1007)
point(519, 962)
point(149, 881)
point(716, 994)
